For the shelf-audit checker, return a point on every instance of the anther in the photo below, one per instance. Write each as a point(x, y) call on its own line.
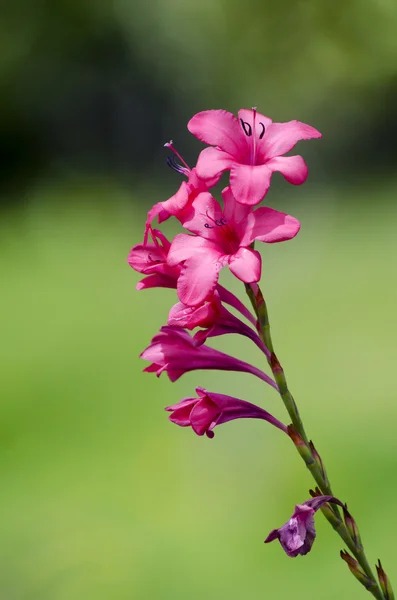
point(246, 128)
point(171, 162)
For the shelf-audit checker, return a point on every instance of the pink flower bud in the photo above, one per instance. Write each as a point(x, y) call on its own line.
point(202, 414)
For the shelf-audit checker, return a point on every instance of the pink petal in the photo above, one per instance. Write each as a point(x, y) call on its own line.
point(206, 211)
point(268, 225)
point(212, 162)
point(199, 184)
point(198, 278)
point(190, 317)
point(293, 168)
point(219, 128)
point(157, 210)
point(143, 257)
point(178, 201)
point(184, 246)
point(250, 183)
point(246, 265)
point(202, 415)
point(155, 281)
point(282, 137)
point(233, 211)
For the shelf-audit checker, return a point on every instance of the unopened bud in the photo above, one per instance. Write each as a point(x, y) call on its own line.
point(352, 528)
point(319, 461)
point(356, 570)
point(384, 582)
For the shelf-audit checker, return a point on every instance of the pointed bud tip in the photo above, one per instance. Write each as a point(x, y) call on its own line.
point(169, 144)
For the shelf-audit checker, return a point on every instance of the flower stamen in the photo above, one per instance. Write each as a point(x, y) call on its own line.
point(246, 128)
point(170, 145)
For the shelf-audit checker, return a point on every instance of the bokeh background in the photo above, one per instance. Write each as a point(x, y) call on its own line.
point(102, 498)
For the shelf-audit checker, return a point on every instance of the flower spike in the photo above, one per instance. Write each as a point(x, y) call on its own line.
point(251, 147)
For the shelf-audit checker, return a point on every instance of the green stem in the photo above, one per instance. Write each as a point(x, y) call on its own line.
point(259, 306)
point(333, 516)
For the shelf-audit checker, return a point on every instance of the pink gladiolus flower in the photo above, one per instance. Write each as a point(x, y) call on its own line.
point(179, 204)
point(298, 534)
point(173, 350)
point(217, 320)
point(202, 414)
point(252, 147)
point(224, 238)
point(151, 259)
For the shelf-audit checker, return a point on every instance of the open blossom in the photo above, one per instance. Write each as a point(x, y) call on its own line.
point(202, 414)
point(173, 350)
point(251, 147)
point(216, 320)
point(223, 237)
point(150, 258)
point(298, 534)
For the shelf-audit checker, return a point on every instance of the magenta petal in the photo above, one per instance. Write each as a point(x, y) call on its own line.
point(269, 225)
point(229, 298)
point(181, 412)
point(282, 137)
point(250, 183)
point(273, 535)
point(202, 415)
point(218, 128)
point(198, 278)
point(293, 168)
point(212, 162)
point(246, 265)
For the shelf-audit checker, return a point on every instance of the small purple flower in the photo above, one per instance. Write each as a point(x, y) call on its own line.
point(298, 534)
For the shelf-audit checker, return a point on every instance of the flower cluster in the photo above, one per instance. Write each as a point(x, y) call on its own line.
point(250, 147)
point(220, 234)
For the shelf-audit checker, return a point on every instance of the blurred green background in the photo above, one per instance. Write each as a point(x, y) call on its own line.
point(102, 498)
